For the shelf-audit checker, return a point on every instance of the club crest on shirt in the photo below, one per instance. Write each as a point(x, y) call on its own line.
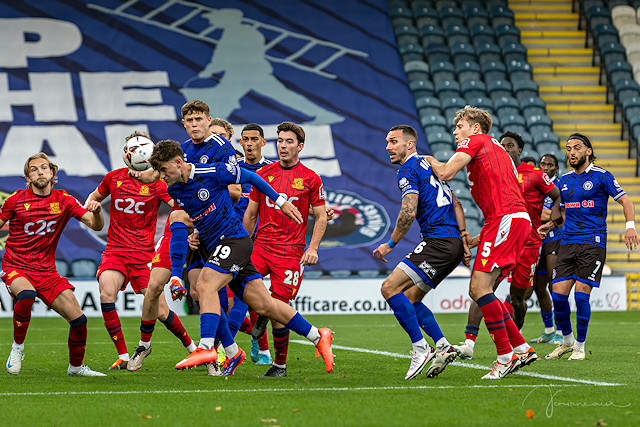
point(357, 221)
point(204, 158)
point(118, 184)
point(27, 206)
point(298, 184)
point(144, 190)
point(54, 208)
point(588, 185)
point(203, 194)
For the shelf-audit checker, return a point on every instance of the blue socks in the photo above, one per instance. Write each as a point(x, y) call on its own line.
point(547, 318)
point(223, 333)
point(299, 325)
point(406, 315)
point(562, 312)
point(236, 315)
point(178, 246)
point(583, 315)
point(209, 325)
point(427, 321)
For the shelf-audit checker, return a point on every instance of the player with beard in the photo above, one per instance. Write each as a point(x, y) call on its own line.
point(585, 192)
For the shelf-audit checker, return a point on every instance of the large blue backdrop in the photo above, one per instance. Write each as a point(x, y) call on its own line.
point(77, 77)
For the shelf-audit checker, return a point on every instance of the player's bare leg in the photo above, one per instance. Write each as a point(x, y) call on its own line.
point(519, 305)
point(25, 295)
point(110, 282)
point(257, 297)
point(67, 306)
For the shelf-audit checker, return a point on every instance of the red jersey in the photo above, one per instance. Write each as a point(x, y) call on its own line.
point(133, 212)
point(302, 187)
point(493, 178)
point(35, 226)
point(535, 185)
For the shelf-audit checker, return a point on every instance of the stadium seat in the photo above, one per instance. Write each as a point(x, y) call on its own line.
point(519, 71)
point(629, 34)
point(513, 123)
point(428, 106)
point(411, 52)
point(457, 34)
point(406, 34)
point(340, 274)
point(473, 89)
point(501, 15)
point(463, 52)
point(83, 267)
point(545, 138)
point(434, 120)
point(605, 33)
point(451, 105)
point(634, 128)
point(619, 70)
point(441, 138)
point(623, 15)
point(431, 33)
point(626, 89)
point(476, 15)
point(481, 102)
point(482, 33)
point(539, 123)
point(488, 52)
point(468, 70)
point(440, 146)
point(529, 151)
point(497, 88)
point(451, 16)
point(400, 16)
point(442, 71)
point(507, 34)
point(417, 70)
point(443, 4)
point(447, 89)
point(367, 273)
point(532, 106)
point(421, 88)
point(597, 15)
point(514, 52)
point(506, 105)
point(63, 267)
point(444, 155)
point(426, 16)
point(493, 71)
point(524, 88)
point(610, 52)
point(633, 55)
point(437, 52)
point(312, 274)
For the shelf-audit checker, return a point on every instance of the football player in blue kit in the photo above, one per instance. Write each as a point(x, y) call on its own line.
point(585, 192)
point(201, 190)
point(441, 221)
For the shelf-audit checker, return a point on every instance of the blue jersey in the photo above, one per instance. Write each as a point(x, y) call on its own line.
point(435, 209)
point(205, 198)
point(585, 198)
point(212, 150)
point(556, 233)
point(241, 205)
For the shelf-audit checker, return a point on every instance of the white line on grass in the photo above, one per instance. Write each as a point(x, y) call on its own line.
point(262, 390)
point(466, 365)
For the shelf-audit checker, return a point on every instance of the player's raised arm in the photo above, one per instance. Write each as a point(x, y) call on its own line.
point(261, 185)
point(93, 219)
point(446, 171)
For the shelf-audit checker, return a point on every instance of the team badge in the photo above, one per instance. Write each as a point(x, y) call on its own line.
point(144, 190)
point(156, 258)
point(118, 184)
point(203, 194)
point(54, 208)
point(204, 158)
point(357, 222)
point(27, 206)
point(588, 185)
point(298, 183)
point(403, 183)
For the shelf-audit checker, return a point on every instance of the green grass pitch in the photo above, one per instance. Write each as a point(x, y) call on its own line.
point(366, 388)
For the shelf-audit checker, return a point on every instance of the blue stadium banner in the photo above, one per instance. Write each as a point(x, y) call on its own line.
point(76, 77)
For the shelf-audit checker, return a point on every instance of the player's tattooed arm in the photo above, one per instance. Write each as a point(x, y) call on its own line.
point(407, 214)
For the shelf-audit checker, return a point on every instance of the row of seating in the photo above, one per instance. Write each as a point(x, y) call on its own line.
point(79, 268)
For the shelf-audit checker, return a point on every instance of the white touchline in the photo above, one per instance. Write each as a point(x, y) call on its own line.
point(262, 390)
point(466, 365)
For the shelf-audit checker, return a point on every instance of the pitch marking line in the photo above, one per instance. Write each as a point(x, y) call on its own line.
point(262, 390)
point(468, 365)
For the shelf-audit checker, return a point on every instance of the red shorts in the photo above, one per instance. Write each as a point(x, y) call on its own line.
point(502, 241)
point(162, 257)
point(523, 273)
point(286, 274)
point(48, 285)
point(134, 266)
